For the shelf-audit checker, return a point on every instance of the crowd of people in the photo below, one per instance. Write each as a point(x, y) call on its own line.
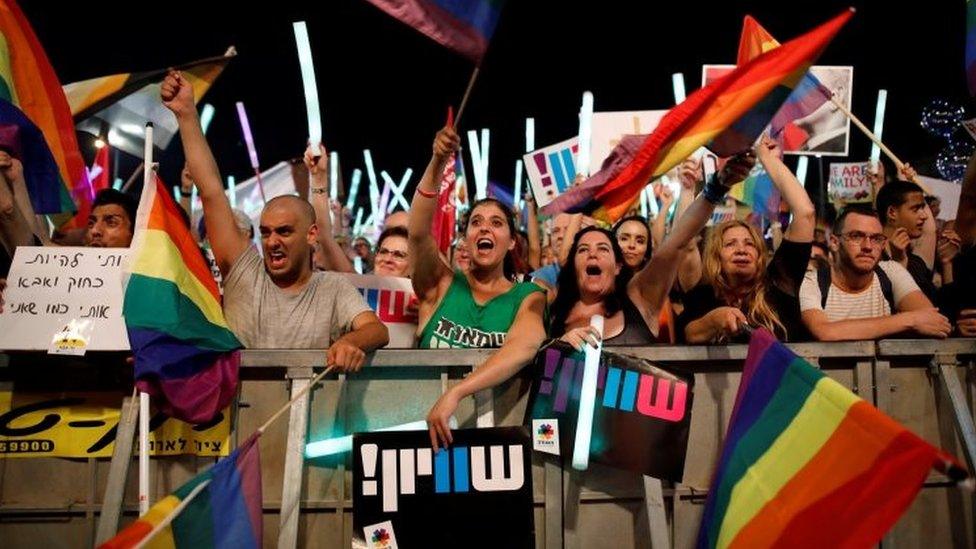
point(511, 281)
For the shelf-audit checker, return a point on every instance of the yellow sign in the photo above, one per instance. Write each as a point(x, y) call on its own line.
point(83, 425)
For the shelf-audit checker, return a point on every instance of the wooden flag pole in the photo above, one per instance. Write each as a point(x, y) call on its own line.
point(294, 399)
point(467, 94)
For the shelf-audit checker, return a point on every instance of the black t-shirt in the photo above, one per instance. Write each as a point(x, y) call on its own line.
point(921, 274)
point(784, 274)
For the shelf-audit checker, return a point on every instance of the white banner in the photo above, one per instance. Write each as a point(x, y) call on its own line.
point(551, 170)
point(50, 288)
point(948, 192)
point(392, 299)
point(610, 127)
point(849, 182)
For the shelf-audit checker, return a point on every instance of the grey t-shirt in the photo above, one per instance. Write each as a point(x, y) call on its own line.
point(263, 316)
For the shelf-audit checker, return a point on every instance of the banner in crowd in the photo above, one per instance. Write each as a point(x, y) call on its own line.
point(826, 131)
point(642, 416)
point(70, 290)
point(551, 170)
point(849, 183)
point(477, 492)
point(948, 193)
point(392, 299)
point(608, 128)
point(84, 425)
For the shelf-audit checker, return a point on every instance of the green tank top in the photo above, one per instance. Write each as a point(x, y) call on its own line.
point(460, 323)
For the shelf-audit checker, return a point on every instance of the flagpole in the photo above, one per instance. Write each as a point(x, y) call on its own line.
point(147, 177)
point(132, 178)
point(467, 94)
point(874, 139)
point(173, 514)
point(294, 399)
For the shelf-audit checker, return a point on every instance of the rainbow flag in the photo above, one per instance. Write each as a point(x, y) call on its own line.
point(464, 26)
point(225, 514)
point(808, 95)
point(971, 46)
point(758, 193)
point(177, 331)
point(28, 81)
point(23, 140)
point(707, 118)
point(807, 463)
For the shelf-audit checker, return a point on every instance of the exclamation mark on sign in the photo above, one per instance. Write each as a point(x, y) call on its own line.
point(552, 362)
point(368, 452)
point(540, 163)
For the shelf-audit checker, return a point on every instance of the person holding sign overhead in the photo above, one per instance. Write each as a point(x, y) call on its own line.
point(481, 307)
point(278, 302)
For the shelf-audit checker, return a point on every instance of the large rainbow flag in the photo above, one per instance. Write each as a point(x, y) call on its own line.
point(709, 117)
point(28, 81)
point(808, 95)
point(224, 514)
point(463, 26)
point(177, 332)
point(807, 463)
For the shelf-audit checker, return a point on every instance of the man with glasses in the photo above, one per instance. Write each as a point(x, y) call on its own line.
point(860, 296)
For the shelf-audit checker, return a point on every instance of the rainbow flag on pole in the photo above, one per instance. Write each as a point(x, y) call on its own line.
point(224, 514)
point(463, 26)
point(711, 117)
point(758, 192)
point(28, 81)
point(177, 332)
point(807, 463)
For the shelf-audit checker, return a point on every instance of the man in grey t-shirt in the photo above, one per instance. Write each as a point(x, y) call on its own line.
point(280, 303)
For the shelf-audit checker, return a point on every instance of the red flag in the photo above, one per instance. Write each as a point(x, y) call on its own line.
point(445, 216)
point(99, 173)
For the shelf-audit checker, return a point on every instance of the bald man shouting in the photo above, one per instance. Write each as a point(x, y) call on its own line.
point(281, 303)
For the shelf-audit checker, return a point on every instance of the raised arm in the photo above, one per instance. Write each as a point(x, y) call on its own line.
point(804, 214)
point(659, 228)
point(226, 241)
point(431, 275)
point(15, 228)
point(651, 284)
point(524, 338)
point(318, 194)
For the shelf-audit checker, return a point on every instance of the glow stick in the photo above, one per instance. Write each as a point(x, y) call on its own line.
point(206, 116)
point(308, 82)
point(385, 198)
point(678, 83)
point(801, 169)
point(177, 195)
point(334, 175)
point(374, 187)
point(585, 135)
point(248, 137)
point(529, 134)
point(357, 174)
point(879, 113)
point(584, 423)
point(518, 185)
point(340, 445)
point(232, 190)
point(398, 192)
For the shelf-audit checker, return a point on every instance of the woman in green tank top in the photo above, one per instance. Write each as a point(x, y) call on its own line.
point(482, 307)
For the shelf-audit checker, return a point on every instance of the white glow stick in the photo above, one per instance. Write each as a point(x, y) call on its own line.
point(484, 162)
point(339, 445)
point(475, 147)
point(206, 116)
point(585, 135)
point(374, 187)
point(232, 190)
point(308, 82)
point(879, 113)
point(529, 134)
point(177, 195)
point(801, 169)
point(398, 192)
point(584, 424)
point(334, 175)
point(678, 83)
point(359, 221)
point(388, 184)
point(248, 137)
point(357, 174)
point(518, 185)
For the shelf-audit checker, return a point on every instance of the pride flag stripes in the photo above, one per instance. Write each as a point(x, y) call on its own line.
point(802, 452)
point(463, 26)
point(181, 342)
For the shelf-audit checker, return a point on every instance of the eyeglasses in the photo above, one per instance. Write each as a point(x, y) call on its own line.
point(397, 254)
point(859, 237)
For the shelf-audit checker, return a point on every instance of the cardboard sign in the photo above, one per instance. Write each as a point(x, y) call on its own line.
point(477, 493)
point(642, 416)
point(849, 183)
point(393, 300)
point(948, 192)
point(83, 425)
point(48, 288)
point(551, 170)
point(609, 127)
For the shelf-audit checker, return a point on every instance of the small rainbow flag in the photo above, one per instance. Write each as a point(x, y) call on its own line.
point(808, 95)
point(807, 463)
point(225, 514)
point(758, 192)
point(465, 27)
point(709, 117)
point(177, 332)
point(28, 81)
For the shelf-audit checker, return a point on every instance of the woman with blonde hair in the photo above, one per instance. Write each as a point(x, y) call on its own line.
point(741, 284)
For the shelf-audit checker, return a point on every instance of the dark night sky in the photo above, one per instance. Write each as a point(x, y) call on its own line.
point(385, 87)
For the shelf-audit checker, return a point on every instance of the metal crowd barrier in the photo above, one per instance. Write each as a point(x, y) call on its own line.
point(925, 384)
